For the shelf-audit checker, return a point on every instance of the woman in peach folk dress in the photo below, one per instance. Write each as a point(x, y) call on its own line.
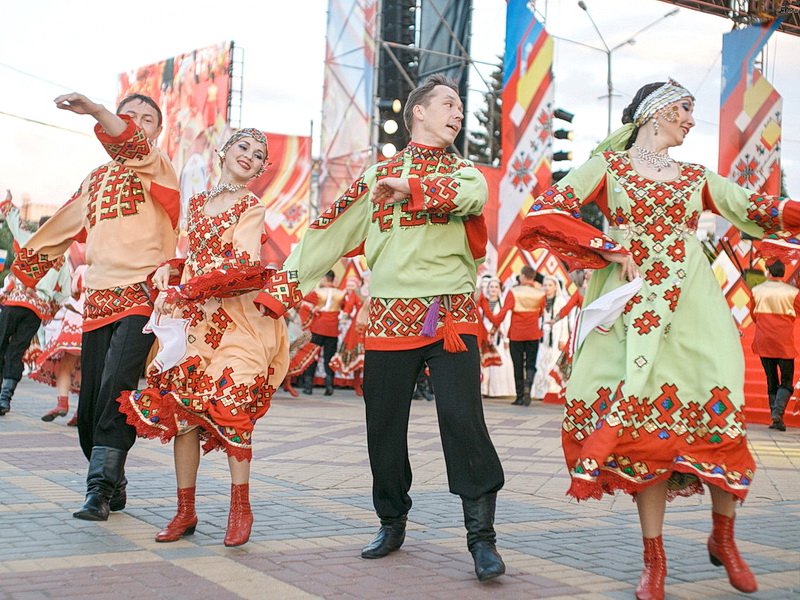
point(234, 359)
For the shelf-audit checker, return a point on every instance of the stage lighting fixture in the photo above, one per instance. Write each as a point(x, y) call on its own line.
point(390, 126)
point(388, 150)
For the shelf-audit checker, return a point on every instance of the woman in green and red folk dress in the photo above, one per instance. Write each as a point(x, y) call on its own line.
point(654, 406)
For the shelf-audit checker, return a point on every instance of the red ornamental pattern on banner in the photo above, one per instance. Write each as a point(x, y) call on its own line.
point(749, 147)
point(527, 130)
point(750, 113)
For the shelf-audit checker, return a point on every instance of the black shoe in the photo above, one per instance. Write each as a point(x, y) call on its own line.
point(329, 385)
point(780, 426)
point(517, 402)
point(106, 468)
point(773, 426)
point(488, 562)
point(479, 521)
point(390, 537)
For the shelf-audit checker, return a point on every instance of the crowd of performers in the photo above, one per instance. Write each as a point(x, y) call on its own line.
point(652, 409)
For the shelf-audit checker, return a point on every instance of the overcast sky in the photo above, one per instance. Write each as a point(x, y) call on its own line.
point(48, 48)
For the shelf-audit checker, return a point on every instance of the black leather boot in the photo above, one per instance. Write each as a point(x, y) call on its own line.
point(479, 521)
point(390, 537)
point(6, 392)
point(329, 385)
point(308, 383)
point(771, 408)
point(119, 498)
point(519, 385)
point(427, 390)
point(526, 397)
point(781, 400)
point(106, 467)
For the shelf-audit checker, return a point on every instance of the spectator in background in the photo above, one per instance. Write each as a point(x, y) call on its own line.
point(326, 301)
point(525, 302)
point(59, 363)
point(554, 340)
point(498, 379)
point(775, 307)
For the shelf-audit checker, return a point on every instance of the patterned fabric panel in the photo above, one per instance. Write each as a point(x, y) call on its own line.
point(101, 304)
point(114, 191)
point(285, 288)
point(440, 193)
point(46, 309)
point(405, 317)
point(356, 190)
point(207, 248)
point(164, 414)
point(35, 265)
point(134, 148)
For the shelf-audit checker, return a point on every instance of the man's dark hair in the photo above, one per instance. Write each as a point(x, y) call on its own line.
point(142, 98)
point(777, 269)
point(330, 276)
point(421, 95)
point(528, 272)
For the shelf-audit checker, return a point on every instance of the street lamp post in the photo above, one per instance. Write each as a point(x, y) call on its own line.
point(609, 51)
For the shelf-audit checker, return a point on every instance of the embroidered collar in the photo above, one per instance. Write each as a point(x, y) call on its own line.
point(421, 151)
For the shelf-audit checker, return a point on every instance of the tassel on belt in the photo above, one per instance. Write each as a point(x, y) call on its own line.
point(452, 341)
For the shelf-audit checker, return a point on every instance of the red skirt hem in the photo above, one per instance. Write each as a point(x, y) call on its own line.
point(166, 428)
point(609, 482)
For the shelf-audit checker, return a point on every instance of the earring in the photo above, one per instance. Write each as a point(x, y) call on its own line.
point(670, 114)
point(655, 126)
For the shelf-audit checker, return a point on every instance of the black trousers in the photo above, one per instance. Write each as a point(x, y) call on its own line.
point(473, 467)
point(18, 325)
point(774, 381)
point(523, 356)
point(112, 360)
point(328, 344)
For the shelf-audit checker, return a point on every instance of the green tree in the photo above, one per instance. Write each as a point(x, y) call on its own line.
point(7, 244)
point(484, 142)
point(784, 191)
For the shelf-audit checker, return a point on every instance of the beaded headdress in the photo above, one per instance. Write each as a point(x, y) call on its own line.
point(257, 135)
point(668, 93)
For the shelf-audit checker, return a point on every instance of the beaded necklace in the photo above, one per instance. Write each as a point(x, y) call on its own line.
point(652, 159)
point(223, 187)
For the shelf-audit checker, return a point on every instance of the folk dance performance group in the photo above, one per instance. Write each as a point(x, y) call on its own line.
point(652, 409)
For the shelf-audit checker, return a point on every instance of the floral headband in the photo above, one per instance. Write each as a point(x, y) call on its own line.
point(667, 94)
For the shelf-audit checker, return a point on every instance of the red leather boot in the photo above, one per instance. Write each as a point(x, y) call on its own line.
point(722, 550)
point(651, 584)
point(61, 409)
point(240, 518)
point(287, 386)
point(73, 422)
point(184, 522)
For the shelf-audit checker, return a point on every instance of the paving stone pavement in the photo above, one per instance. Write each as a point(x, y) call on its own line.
point(310, 492)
